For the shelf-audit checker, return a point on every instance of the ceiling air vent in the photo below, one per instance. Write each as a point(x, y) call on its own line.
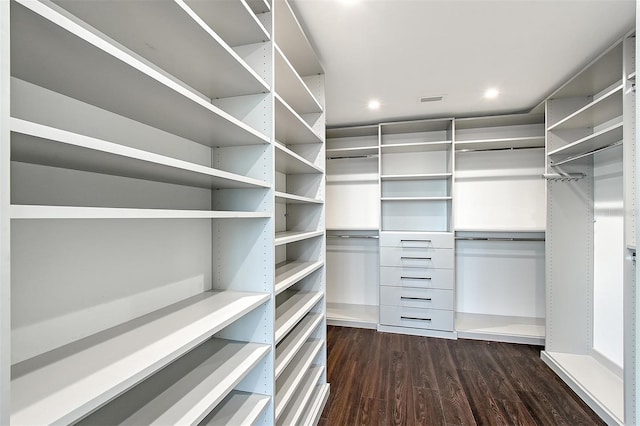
point(436, 98)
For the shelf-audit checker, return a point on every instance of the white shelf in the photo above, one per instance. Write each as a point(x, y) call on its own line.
point(416, 146)
point(293, 376)
point(599, 387)
point(289, 313)
point(289, 273)
point(233, 21)
point(597, 140)
point(501, 328)
point(44, 145)
point(290, 162)
point(295, 199)
point(289, 347)
point(186, 391)
point(294, 43)
point(355, 152)
point(66, 384)
point(68, 212)
point(600, 110)
point(297, 406)
point(351, 315)
point(63, 54)
point(290, 127)
point(500, 143)
point(238, 408)
point(416, 198)
point(292, 88)
point(316, 405)
point(431, 176)
point(172, 36)
point(631, 76)
point(259, 6)
point(293, 236)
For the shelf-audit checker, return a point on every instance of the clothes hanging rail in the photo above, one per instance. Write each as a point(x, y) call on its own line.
point(563, 176)
point(344, 157)
point(586, 154)
point(513, 148)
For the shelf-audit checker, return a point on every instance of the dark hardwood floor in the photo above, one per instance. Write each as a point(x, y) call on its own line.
point(392, 379)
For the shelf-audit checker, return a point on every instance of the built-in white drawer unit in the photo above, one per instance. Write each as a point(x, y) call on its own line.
point(417, 257)
point(417, 240)
point(416, 277)
point(428, 298)
point(433, 319)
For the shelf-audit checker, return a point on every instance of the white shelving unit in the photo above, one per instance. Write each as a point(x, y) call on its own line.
point(500, 223)
point(300, 324)
point(166, 214)
point(352, 226)
point(589, 327)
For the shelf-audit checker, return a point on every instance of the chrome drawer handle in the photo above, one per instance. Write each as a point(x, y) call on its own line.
point(416, 241)
point(415, 278)
point(414, 258)
point(415, 318)
point(428, 299)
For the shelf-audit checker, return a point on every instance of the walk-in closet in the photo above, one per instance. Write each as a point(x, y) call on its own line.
point(318, 212)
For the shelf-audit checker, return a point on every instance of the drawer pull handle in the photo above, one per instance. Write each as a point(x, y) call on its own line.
point(415, 258)
point(428, 299)
point(415, 278)
point(415, 318)
point(416, 241)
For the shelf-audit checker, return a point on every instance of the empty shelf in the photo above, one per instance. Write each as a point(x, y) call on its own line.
point(64, 385)
point(289, 273)
point(70, 212)
point(293, 236)
point(295, 199)
point(500, 143)
point(289, 313)
point(60, 53)
point(187, 390)
point(289, 162)
point(294, 43)
point(290, 86)
point(590, 143)
point(416, 198)
point(239, 408)
point(296, 408)
point(44, 145)
point(293, 376)
point(289, 347)
point(315, 405)
point(501, 328)
point(291, 129)
point(259, 6)
point(172, 36)
point(417, 146)
point(352, 315)
point(233, 21)
point(600, 110)
point(431, 176)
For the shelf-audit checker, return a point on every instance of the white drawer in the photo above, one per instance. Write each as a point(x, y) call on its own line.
point(427, 298)
point(416, 277)
point(417, 240)
point(416, 258)
point(433, 319)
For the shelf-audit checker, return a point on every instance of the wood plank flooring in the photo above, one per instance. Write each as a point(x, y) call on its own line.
point(391, 379)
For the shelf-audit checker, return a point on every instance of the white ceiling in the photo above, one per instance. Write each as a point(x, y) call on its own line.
point(399, 50)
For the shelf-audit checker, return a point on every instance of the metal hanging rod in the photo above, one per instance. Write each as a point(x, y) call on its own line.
point(514, 148)
point(498, 239)
point(586, 154)
point(374, 237)
point(344, 157)
point(563, 176)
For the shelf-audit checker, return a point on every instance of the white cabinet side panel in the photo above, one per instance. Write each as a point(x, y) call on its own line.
point(608, 230)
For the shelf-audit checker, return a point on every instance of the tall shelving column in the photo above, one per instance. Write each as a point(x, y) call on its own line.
point(585, 247)
point(141, 213)
point(499, 221)
point(300, 327)
point(352, 226)
point(416, 235)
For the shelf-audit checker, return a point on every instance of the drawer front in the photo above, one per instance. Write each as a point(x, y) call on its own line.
point(432, 319)
point(427, 298)
point(416, 258)
point(416, 277)
point(415, 240)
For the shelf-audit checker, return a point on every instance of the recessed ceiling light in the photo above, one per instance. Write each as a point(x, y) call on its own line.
point(374, 104)
point(491, 93)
